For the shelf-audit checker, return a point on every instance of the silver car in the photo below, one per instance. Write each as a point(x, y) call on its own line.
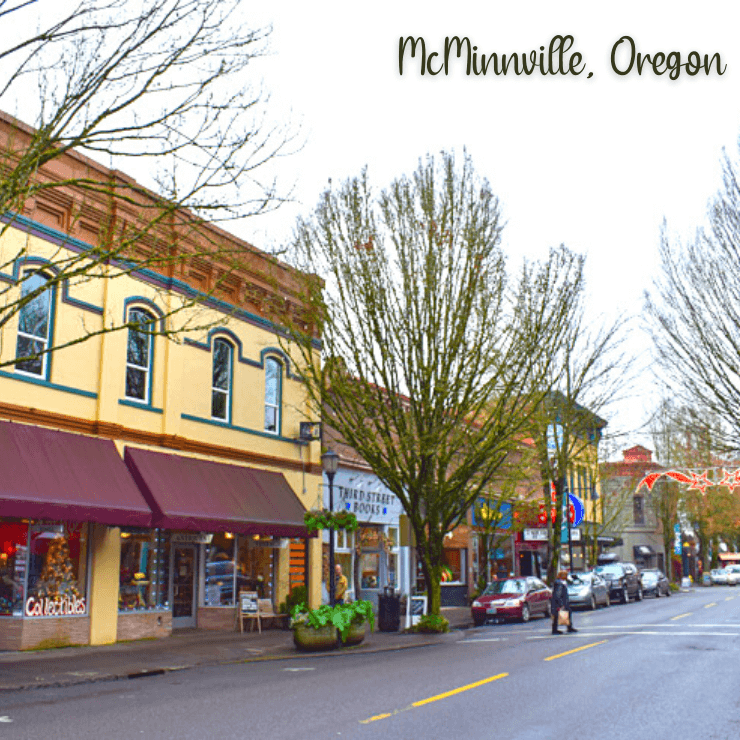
point(587, 589)
point(733, 575)
point(718, 577)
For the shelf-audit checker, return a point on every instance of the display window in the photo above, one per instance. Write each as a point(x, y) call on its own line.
point(255, 566)
point(453, 565)
point(57, 570)
point(223, 579)
point(144, 571)
point(13, 564)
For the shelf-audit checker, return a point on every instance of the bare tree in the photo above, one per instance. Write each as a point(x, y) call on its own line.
point(694, 310)
point(588, 373)
point(434, 356)
point(164, 89)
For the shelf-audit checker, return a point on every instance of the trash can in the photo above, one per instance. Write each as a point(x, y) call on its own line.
point(389, 610)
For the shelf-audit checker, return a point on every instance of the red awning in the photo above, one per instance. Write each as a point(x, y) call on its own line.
point(188, 493)
point(47, 474)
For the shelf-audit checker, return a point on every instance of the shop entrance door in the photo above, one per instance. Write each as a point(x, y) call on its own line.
point(183, 586)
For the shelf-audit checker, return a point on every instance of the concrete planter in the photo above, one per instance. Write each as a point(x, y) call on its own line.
point(356, 634)
point(310, 639)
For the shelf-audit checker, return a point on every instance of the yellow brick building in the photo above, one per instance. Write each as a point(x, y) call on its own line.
point(148, 477)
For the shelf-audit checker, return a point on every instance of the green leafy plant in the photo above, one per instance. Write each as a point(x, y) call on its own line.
point(341, 616)
point(325, 519)
point(295, 597)
point(431, 624)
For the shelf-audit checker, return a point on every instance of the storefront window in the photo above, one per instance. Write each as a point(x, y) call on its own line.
point(254, 566)
point(57, 573)
point(221, 571)
point(369, 569)
point(453, 566)
point(144, 571)
point(13, 556)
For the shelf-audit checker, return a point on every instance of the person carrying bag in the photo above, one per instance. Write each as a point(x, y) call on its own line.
point(560, 605)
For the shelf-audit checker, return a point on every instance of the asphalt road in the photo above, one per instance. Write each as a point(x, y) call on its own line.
point(664, 668)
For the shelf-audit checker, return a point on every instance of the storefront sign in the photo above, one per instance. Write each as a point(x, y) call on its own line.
point(60, 607)
point(418, 606)
point(365, 496)
point(535, 535)
point(487, 513)
point(192, 538)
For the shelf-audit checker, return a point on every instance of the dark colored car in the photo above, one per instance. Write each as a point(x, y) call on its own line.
point(512, 598)
point(623, 579)
point(587, 589)
point(654, 583)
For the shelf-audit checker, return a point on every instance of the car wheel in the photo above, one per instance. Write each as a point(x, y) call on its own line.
point(625, 596)
point(668, 592)
point(525, 613)
point(592, 605)
point(657, 592)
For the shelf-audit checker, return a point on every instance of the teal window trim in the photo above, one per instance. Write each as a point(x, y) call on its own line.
point(139, 405)
point(278, 405)
point(39, 265)
point(235, 428)
point(26, 378)
point(132, 304)
point(229, 390)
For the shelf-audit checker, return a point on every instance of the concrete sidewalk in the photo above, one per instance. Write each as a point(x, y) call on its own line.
point(186, 649)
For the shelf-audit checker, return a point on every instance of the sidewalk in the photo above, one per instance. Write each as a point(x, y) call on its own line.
point(185, 649)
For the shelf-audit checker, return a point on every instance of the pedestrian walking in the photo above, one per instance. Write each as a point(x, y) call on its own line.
point(560, 600)
point(340, 585)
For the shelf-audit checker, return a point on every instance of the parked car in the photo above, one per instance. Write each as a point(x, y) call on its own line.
point(655, 583)
point(512, 598)
point(733, 575)
point(623, 579)
point(587, 589)
point(718, 577)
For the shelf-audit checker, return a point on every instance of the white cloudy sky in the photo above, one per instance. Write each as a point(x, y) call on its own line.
point(593, 163)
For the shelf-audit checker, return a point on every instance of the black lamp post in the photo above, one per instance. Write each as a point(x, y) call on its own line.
point(330, 463)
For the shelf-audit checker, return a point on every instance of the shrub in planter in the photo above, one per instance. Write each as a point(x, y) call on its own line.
point(345, 618)
point(431, 624)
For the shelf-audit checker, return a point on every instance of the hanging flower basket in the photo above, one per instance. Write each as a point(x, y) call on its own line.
point(325, 519)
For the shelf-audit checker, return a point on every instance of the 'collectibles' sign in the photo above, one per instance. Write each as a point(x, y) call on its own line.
point(59, 607)
point(365, 496)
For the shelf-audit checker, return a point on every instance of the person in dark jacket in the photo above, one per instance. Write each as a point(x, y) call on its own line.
point(560, 600)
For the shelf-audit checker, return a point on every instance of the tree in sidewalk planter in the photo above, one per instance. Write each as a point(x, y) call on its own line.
point(433, 354)
point(161, 90)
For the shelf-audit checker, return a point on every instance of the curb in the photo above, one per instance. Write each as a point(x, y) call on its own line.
point(163, 670)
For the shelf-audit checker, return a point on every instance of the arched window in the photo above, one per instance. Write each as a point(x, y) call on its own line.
point(223, 354)
point(34, 326)
point(273, 390)
point(139, 355)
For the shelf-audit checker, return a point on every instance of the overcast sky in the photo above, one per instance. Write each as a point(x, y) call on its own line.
point(594, 163)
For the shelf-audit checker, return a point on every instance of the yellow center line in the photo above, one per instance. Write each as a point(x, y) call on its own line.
point(447, 694)
point(681, 616)
point(458, 691)
point(706, 606)
point(576, 650)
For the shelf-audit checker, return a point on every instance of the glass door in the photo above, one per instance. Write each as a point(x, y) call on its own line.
point(183, 585)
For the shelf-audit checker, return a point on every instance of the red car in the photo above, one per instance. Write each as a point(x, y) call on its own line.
point(512, 598)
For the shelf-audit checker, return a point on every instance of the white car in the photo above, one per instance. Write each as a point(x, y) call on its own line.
point(733, 575)
point(718, 577)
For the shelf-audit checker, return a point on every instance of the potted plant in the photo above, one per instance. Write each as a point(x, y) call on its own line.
point(331, 626)
point(316, 520)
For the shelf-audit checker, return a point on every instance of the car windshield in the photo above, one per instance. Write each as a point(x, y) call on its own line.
point(609, 570)
point(578, 579)
point(510, 586)
point(649, 577)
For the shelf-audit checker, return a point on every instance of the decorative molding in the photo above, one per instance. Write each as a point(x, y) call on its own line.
point(138, 405)
point(25, 378)
point(234, 427)
point(110, 430)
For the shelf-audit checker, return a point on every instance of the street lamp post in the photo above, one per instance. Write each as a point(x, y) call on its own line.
point(330, 463)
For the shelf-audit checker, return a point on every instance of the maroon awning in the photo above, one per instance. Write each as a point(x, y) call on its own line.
point(188, 493)
point(47, 474)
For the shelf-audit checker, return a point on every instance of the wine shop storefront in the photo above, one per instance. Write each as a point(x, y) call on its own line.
point(96, 548)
